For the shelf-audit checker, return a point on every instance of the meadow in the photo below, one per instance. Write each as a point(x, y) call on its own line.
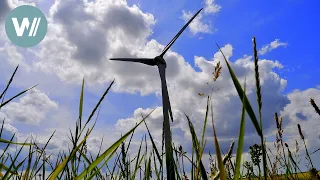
point(148, 163)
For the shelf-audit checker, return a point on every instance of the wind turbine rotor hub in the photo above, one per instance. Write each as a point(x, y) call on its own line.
point(160, 60)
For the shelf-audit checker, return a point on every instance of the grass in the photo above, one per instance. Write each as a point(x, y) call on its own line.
point(78, 163)
point(297, 176)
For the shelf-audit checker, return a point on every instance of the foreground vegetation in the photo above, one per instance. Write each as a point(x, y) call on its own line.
point(147, 164)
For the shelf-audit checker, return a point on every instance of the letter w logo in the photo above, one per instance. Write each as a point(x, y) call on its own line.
point(26, 25)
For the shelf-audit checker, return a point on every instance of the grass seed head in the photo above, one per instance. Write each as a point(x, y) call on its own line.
point(300, 132)
point(217, 71)
point(314, 105)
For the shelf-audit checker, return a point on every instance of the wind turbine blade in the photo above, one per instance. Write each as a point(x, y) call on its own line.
point(147, 61)
point(179, 33)
point(165, 94)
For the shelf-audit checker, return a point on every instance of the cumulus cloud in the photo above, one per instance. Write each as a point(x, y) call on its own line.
point(184, 98)
point(31, 108)
point(271, 46)
point(197, 25)
point(300, 111)
point(12, 56)
point(15, 3)
point(114, 29)
point(211, 7)
point(4, 9)
point(7, 131)
point(7, 5)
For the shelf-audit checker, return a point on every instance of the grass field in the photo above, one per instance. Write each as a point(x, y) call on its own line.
point(296, 176)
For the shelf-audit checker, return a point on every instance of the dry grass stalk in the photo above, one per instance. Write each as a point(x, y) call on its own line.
point(305, 145)
point(279, 137)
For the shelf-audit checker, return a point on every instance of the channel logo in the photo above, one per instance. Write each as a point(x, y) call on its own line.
point(26, 26)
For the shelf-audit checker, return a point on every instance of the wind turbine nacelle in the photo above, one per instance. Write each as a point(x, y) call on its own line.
point(160, 60)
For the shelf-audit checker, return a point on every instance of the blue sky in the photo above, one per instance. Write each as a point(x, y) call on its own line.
point(286, 30)
point(238, 21)
point(291, 21)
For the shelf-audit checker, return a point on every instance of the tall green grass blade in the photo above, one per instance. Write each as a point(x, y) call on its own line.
point(227, 157)
point(176, 170)
point(127, 150)
point(9, 82)
point(178, 167)
point(98, 105)
point(2, 127)
point(15, 171)
point(16, 143)
point(192, 160)
point(240, 138)
point(63, 164)
point(222, 173)
point(86, 159)
point(97, 170)
point(41, 153)
point(5, 150)
point(81, 102)
point(109, 150)
point(197, 149)
point(19, 94)
point(117, 174)
point(205, 123)
point(12, 164)
point(26, 174)
point(199, 164)
point(155, 167)
point(153, 144)
point(2, 166)
point(100, 148)
point(242, 96)
point(137, 162)
point(148, 170)
point(137, 167)
point(115, 164)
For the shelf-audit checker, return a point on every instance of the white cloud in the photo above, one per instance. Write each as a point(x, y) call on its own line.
point(13, 57)
point(184, 99)
point(15, 3)
point(197, 25)
point(7, 132)
point(114, 29)
point(273, 45)
point(300, 111)
point(211, 7)
point(31, 108)
point(300, 108)
point(4, 9)
point(7, 5)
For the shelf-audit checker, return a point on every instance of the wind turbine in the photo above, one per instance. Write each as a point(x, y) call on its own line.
point(161, 63)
